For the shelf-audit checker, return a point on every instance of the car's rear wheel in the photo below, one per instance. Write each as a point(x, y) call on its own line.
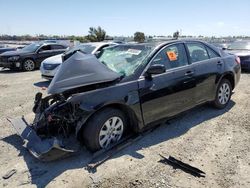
point(28, 65)
point(104, 128)
point(223, 94)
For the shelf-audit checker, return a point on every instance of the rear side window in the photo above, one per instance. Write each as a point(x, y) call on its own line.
point(197, 52)
point(45, 48)
point(172, 56)
point(211, 53)
point(57, 47)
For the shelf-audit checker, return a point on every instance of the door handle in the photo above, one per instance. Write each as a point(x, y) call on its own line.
point(153, 87)
point(219, 63)
point(189, 73)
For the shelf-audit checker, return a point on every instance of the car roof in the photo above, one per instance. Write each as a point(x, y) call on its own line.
point(48, 43)
point(158, 44)
point(97, 44)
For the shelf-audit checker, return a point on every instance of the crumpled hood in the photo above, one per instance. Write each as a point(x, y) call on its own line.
point(80, 70)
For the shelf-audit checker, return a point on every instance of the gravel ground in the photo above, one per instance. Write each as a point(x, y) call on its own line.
point(216, 141)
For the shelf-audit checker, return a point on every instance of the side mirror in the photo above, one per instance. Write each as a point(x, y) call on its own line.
point(224, 48)
point(156, 69)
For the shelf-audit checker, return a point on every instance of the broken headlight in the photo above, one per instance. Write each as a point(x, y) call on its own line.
point(13, 58)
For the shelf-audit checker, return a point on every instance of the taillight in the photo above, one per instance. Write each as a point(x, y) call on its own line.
point(237, 59)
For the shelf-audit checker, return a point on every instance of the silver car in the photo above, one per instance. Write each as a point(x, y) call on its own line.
point(50, 65)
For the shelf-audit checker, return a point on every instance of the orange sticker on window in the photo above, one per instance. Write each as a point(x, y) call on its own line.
point(172, 55)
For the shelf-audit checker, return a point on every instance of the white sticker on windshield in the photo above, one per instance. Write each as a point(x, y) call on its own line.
point(134, 51)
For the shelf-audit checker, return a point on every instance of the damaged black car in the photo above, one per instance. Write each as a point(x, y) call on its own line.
point(125, 88)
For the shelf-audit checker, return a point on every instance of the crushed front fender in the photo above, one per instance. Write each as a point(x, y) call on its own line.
point(47, 149)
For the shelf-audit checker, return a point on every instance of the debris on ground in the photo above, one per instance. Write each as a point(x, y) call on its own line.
point(9, 173)
point(101, 156)
point(183, 166)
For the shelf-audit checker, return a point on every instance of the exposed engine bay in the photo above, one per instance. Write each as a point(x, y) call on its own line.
point(54, 116)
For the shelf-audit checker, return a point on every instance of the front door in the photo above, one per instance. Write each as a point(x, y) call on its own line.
point(169, 93)
point(43, 53)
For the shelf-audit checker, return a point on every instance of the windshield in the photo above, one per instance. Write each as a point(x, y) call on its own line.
point(87, 48)
point(239, 46)
point(125, 59)
point(31, 48)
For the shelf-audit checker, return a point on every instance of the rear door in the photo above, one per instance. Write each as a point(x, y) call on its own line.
point(207, 65)
point(169, 93)
point(57, 49)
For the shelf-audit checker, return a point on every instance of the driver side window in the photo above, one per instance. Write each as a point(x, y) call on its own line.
point(172, 56)
point(45, 48)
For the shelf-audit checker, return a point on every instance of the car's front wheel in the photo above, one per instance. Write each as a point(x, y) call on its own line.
point(28, 65)
point(104, 128)
point(223, 94)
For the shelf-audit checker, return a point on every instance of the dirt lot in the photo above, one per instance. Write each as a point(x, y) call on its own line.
point(216, 141)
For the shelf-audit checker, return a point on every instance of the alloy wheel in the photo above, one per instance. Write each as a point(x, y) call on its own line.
point(29, 65)
point(111, 131)
point(224, 93)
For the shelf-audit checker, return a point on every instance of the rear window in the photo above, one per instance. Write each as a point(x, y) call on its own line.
point(197, 52)
point(44, 48)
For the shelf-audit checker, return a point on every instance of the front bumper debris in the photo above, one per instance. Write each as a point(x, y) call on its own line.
point(47, 149)
point(6, 64)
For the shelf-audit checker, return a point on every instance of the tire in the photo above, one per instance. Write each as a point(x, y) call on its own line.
point(223, 94)
point(29, 65)
point(100, 132)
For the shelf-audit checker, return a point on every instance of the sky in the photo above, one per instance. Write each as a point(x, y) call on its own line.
point(125, 17)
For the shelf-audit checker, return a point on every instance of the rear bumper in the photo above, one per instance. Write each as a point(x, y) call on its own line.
point(44, 149)
point(237, 74)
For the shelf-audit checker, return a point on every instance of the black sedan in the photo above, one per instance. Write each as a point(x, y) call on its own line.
point(242, 50)
point(126, 88)
point(31, 56)
point(6, 49)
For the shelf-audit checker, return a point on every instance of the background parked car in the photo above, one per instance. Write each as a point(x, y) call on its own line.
point(222, 46)
point(4, 48)
point(50, 65)
point(242, 50)
point(31, 56)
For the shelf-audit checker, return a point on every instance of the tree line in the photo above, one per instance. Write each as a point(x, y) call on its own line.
point(95, 35)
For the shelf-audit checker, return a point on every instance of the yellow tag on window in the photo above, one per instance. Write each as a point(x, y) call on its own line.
point(172, 55)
